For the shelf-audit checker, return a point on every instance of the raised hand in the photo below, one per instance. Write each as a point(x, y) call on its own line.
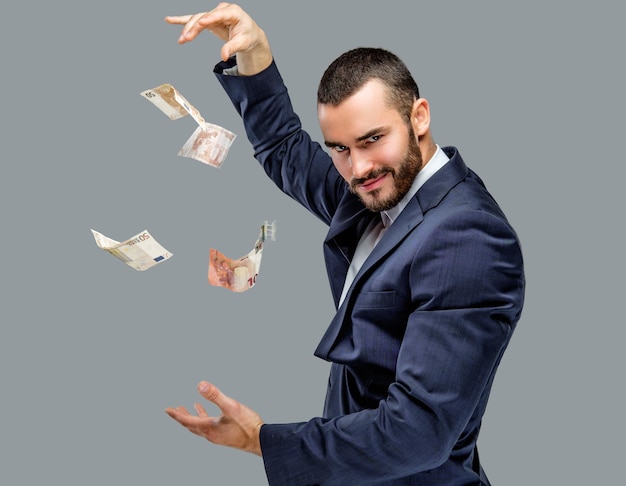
point(242, 36)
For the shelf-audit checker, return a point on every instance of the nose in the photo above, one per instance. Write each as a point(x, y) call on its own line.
point(360, 163)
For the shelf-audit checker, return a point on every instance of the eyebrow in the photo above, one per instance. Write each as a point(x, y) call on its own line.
point(365, 136)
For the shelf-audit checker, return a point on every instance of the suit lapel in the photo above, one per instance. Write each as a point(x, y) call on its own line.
point(352, 219)
point(345, 231)
point(428, 196)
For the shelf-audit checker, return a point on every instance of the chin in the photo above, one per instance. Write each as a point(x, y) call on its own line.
point(376, 203)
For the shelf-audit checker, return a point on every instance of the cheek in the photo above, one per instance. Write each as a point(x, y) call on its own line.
point(390, 155)
point(343, 168)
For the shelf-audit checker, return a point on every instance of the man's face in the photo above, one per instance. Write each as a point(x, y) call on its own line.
point(372, 146)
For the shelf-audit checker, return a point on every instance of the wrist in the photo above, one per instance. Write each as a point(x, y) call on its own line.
point(256, 59)
point(256, 448)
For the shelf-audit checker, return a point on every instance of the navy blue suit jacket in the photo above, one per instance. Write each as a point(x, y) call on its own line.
point(416, 343)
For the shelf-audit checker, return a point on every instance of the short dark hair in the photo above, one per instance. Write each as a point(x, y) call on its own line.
point(350, 71)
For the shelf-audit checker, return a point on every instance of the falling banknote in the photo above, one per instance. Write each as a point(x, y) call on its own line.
point(141, 251)
point(239, 275)
point(172, 103)
point(209, 143)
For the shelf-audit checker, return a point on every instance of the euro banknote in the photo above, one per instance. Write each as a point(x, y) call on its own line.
point(241, 274)
point(209, 144)
point(169, 100)
point(140, 252)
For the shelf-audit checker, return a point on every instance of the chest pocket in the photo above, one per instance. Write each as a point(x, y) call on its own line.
point(376, 300)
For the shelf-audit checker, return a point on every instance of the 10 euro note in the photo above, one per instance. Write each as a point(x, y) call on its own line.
point(241, 274)
point(209, 144)
point(169, 100)
point(141, 251)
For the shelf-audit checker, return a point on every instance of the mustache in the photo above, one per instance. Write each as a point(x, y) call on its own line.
point(372, 175)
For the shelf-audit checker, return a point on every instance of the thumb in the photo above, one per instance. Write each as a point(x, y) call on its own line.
point(212, 394)
point(225, 52)
point(234, 46)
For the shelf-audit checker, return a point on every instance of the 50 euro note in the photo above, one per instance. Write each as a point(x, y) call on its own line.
point(209, 143)
point(169, 100)
point(241, 274)
point(140, 252)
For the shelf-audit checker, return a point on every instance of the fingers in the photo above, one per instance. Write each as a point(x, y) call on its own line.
point(200, 410)
point(208, 391)
point(193, 423)
point(178, 19)
point(218, 21)
point(178, 412)
point(190, 25)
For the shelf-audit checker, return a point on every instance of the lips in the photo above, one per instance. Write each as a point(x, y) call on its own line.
point(371, 184)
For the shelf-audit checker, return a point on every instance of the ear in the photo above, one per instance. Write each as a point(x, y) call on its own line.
point(420, 116)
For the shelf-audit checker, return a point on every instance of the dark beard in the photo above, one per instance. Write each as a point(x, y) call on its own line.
point(403, 178)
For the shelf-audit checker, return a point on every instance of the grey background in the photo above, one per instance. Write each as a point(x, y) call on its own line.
point(91, 351)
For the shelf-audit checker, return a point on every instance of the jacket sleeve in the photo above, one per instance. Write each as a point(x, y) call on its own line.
point(296, 164)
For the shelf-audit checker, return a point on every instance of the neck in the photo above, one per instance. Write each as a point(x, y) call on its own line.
point(427, 147)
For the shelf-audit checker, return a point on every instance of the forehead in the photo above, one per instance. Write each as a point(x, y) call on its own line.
point(365, 109)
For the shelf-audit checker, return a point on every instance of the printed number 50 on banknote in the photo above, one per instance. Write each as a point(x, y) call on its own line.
point(167, 99)
point(140, 252)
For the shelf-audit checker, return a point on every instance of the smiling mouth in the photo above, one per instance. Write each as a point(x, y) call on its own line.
point(371, 184)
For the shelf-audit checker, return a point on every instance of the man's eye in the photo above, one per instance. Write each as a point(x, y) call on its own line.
point(340, 148)
point(374, 138)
